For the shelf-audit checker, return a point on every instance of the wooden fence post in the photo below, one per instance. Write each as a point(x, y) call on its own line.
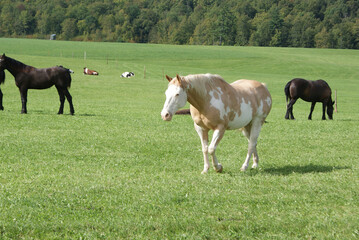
point(336, 102)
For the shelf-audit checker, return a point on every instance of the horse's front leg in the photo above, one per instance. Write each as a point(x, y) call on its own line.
point(23, 95)
point(311, 110)
point(216, 138)
point(203, 134)
point(1, 106)
point(324, 105)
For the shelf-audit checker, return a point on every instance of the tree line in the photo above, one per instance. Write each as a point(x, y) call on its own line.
point(284, 23)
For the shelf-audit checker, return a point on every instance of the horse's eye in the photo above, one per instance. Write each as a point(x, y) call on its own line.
point(177, 94)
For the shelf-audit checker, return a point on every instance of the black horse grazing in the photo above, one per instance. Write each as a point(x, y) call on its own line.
point(2, 80)
point(310, 91)
point(27, 77)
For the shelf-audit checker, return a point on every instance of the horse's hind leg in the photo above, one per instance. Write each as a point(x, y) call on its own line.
point(247, 132)
point(289, 113)
point(69, 99)
point(1, 106)
point(290, 109)
point(311, 111)
point(255, 129)
point(62, 100)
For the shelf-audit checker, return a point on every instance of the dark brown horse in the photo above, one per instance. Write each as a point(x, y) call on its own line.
point(310, 91)
point(27, 77)
point(2, 80)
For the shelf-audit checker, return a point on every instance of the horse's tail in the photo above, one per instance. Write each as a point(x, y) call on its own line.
point(67, 75)
point(69, 79)
point(183, 112)
point(286, 91)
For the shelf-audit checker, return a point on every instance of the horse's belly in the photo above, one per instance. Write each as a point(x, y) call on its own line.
point(239, 121)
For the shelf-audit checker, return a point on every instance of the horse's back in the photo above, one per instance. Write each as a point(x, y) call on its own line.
point(309, 90)
point(255, 96)
point(251, 89)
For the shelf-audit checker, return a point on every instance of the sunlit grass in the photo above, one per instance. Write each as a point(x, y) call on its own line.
point(115, 170)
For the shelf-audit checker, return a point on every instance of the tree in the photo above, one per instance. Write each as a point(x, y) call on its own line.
point(69, 28)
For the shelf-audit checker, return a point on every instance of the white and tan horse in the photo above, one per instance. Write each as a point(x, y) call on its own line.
point(219, 106)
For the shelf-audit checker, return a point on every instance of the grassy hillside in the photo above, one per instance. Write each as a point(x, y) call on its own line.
point(116, 170)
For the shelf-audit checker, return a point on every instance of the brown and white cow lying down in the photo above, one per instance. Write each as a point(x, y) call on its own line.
point(90, 72)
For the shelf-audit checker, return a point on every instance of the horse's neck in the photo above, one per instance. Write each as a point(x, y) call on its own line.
point(197, 100)
point(15, 67)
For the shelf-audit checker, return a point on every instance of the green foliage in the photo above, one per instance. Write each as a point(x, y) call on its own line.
point(297, 23)
point(115, 170)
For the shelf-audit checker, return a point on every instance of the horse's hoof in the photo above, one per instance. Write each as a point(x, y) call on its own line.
point(254, 166)
point(204, 172)
point(2, 108)
point(219, 168)
point(244, 168)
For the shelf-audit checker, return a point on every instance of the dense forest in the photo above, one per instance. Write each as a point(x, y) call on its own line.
point(286, 23)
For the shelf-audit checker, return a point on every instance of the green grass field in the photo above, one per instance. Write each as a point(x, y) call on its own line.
point(115, 170)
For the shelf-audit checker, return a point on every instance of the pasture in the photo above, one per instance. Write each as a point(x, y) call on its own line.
point(116, 170)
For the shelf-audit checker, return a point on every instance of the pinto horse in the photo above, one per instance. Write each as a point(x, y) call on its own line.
point(219, 106)
point(90, 72)
point(310, 91)
point(2, 80)
point(27, 77)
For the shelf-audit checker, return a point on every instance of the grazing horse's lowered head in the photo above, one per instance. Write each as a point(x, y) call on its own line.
point(310, 91)
point(219, 106)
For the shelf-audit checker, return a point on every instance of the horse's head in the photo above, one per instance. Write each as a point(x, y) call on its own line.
point(176, 97)
point(330, 109)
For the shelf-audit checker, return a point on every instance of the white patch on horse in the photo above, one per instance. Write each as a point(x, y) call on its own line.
point(243, 119)
point(268, 101)
point(218, 104)
point(260, 109)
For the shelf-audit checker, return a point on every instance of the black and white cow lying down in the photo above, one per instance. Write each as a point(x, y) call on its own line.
point(127, 74)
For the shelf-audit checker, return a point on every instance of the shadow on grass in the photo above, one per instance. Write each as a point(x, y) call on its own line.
point(311, 168)
point(43, 112)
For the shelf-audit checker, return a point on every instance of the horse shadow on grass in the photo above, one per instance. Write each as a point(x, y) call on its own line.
point(44, 112)
point(291, 169)
point(295, 169)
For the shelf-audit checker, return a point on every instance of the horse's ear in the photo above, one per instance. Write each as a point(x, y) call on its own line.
point(169, 78)
point(179, 79)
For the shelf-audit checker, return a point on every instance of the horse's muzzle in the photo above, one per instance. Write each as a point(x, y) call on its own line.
point(166, 116)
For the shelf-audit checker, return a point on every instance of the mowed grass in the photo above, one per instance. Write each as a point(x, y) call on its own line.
point(115, 170)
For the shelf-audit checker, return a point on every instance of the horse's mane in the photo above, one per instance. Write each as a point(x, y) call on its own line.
point(202, 82)
point(16, 62)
